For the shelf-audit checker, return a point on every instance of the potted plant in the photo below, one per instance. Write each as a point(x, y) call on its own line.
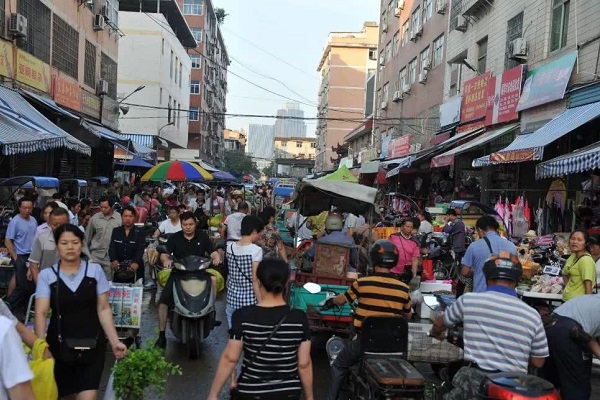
point(142, 368)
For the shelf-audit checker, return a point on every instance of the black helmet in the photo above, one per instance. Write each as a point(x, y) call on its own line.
point(384, 254)
point(503, 265)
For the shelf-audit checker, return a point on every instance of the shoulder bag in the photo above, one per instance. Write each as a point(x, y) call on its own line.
point(233, 392)
point(238, 267)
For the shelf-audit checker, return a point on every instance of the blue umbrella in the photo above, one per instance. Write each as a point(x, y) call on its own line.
point(224, 176)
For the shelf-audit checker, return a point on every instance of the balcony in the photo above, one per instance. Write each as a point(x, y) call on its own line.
point(476, 8)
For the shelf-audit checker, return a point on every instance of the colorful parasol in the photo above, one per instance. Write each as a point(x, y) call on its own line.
point(176, 171)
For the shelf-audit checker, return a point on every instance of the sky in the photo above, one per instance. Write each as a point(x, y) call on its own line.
point(295, 32)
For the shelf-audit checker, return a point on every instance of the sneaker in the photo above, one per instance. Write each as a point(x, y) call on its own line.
point(161, 342)
point(150, 285)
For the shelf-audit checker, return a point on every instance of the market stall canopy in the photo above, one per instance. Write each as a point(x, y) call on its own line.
point(447, 158)
point(370, 167)
point(23, 129)
point(206, 166)
point(531, 147)
point(342, 174)
point(222, 175)
point(314, 196)
point(28, 182)
point(585, 159)
point(404, 163)
point(135, 163)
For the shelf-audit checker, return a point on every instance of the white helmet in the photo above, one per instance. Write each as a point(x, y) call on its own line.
point(334, 223)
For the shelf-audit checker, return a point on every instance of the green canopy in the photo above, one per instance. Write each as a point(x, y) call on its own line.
point(342, 174)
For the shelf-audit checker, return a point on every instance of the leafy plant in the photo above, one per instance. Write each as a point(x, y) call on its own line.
point(142, 368)
point(221, 14)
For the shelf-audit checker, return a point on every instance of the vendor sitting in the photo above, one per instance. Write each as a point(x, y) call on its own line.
point(334, 235)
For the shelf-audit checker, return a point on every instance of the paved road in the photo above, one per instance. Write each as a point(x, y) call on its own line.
point(198, 374)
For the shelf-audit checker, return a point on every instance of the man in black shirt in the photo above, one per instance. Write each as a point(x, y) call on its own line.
point(127, 246)
point(187, 242)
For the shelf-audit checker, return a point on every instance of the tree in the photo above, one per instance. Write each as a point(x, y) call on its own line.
point(239, 163)
point(268, 171)
point(221, 14)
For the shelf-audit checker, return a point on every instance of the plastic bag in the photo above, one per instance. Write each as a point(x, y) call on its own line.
point(216, 220)
point(220, 279)
point(163, 276)
point(43, 383)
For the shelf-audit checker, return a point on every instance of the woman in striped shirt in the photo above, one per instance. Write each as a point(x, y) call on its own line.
point(278, 368)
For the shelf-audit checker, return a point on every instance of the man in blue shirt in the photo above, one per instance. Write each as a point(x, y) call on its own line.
point(333, 228)
point(478, 252)
point(19, 239)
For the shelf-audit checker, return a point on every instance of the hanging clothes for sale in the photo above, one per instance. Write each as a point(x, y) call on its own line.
point(557, 193)
point(520, 226)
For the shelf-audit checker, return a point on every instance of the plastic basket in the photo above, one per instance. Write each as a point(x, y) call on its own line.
point(384, 232)
point(425, 349)
point(302, 299)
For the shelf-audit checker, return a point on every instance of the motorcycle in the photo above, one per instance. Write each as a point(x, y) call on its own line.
point(383, 372)
point(439, 250)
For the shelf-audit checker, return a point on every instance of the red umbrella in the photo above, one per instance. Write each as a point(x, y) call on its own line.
point(381, 178)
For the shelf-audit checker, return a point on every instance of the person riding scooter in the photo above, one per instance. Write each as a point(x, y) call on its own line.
point(334, 235)
point(380, 294)
point(501, 333)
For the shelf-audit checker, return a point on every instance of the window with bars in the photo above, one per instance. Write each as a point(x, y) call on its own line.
point(482, 49)
point(514, 30)
point(65, 47)
point(108, 72)
point(196, 61)
point(89, 68)
point(38, 37)
point(197, 33)
point(560, 24)
point(192, 7)
point(412, 71)
point(456, 11)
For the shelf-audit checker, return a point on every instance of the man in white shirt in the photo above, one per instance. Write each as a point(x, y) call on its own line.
point(15, 375)
point(170, 225)
point(350, 224)
point(232, 226)
point(298, 222)
point(74, 209)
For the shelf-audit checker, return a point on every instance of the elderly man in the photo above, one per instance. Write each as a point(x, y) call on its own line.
point(99, 231)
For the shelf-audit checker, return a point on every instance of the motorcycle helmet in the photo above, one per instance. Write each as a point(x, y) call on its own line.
point(384, 254)
point(503, 265)
point(334, 223)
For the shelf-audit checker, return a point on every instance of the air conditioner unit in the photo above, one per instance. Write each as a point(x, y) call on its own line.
point(384, 28)
point(397, 11)
point(413, 36)
point(406, 88)
point(383, 105)
point(423, 77)
point(17, 25)
point(441, 6)
point(99, 22)
point(382, 59)
point(400, 4)
point(102, 87)
point(104, 12)
point(419, 31)
point(426, 65)
point(397, 96)
point(518, 48)
point(461, 23)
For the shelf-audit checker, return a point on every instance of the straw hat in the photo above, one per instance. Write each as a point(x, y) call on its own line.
point(530, 234)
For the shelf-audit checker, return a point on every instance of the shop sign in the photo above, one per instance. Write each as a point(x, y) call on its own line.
point(450, 111)
point(370, 154)
point(474, 99)
point(90, 104)
point(110, 113)
point(503, 96)
point(385, 145)
point(442, 161)
point(67, 92)
point(514, 156)
point(470, 127)
point(33, 72)
point(547, 83)
point(399, 146)
point(440, 138)
point(7, 59)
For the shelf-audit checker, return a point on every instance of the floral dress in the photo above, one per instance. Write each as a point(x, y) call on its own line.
point(268, 241)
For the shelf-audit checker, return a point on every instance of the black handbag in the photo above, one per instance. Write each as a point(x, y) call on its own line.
point(73, 350)
point(234, 394)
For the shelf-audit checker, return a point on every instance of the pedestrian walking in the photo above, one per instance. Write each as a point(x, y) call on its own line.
point(43, 252)
point(270, 239)
point(126, 249)
point(99, 232)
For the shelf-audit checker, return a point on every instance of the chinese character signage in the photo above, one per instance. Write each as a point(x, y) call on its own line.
point(110, 112)
point(399, 146)
point(547, 83)
point(33, 72)
point(126, 304)
point(504, 92)
point(7, 59)
point(474, 100)
point(67, 92)
point(90, 104)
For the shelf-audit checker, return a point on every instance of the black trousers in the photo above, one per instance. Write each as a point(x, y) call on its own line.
point(24, 288)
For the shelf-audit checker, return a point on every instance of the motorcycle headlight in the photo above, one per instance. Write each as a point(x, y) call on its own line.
point(193, 287)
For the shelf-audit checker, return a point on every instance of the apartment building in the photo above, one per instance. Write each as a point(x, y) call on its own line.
point(208, 82)
point(295, 147)
point(291, 123)
point(348, 59)
point(411, 68)
point(235, 140)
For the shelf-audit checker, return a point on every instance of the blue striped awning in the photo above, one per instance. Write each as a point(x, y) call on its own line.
point(146, 140)
point(25, 130)
point(106, 133)
point(585, 159)
point(533, 147)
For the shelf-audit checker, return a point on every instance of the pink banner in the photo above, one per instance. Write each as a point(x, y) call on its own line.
point(504, 92)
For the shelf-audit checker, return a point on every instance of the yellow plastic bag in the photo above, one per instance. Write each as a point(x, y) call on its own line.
point(220, 279)
point(43, 383)
point(216, 220)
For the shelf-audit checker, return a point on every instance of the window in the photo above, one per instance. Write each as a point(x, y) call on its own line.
point(388, 51)
point(438, 51)
point(112, 12)
point(197, 33)
point(456, 11)
point(425, 59)
point(403, 81)
point(416, 20)
point(386, 92)
point(384, 19)
point(176, 64)
point(313, 145)
point(192, 7)
point(180, 73)
point(382, 59)
point(298, 144)
point(108, 72)
point(427, 10)
point(283, 144)
point(560, 24)
point(37, 41)
point(196, 61)
point(372, 54)
point(405, 33)
point(89, 67)
point(171, 65)
point(412, 71)
point(514, 29)
point(482, 55)
point(396, 44)
point(169, 110)
point(194, 87)
point(65, 47)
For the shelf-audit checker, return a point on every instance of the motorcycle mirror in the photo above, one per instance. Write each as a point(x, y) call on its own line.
point(312, 288)
point(161, 248)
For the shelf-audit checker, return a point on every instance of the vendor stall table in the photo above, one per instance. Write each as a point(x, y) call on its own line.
point(534, 298)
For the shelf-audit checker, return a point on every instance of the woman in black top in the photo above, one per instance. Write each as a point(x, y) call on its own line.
point(279, 368)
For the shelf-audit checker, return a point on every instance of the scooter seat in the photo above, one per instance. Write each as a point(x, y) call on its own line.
point(393, 371)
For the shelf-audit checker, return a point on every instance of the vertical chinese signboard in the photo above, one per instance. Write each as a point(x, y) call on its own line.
point(90, 104)
point(399, 146)
point(33, 72)
point(474, 100)
point(7, 59)
point(67, 93)
point(503, 96)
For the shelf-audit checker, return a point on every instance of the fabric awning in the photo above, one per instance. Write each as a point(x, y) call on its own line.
point(406, 161)
point(533, 147)
point(398, 161)
point(447, 158)
point(24, 130)
point(108, 134)
point(206, 166)
point(49, 103)
point(370, 167)
point(135, 162)
point(584, 159)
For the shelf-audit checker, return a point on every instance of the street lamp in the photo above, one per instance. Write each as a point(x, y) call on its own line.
point(125, 109)
point(158, 137)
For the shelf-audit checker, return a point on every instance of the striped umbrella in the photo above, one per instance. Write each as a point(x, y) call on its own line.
point(176, 171)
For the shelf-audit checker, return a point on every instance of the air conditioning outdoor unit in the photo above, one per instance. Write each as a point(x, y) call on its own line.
point(382, 59)
point(102, 87)
point(17, 25)
point(419, 31)
point(99, 22)
point(384, 28)
point(397, 11)
point(413, 36)
point(426, 65)
point(104, 12)
point(397, 96)
point(423, 77)
point(383, 105)
point(406, 88)
point(518, 48)
point(461, 23)
point(441, 6)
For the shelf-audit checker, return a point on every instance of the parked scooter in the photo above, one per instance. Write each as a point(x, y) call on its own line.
point(439, 250)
